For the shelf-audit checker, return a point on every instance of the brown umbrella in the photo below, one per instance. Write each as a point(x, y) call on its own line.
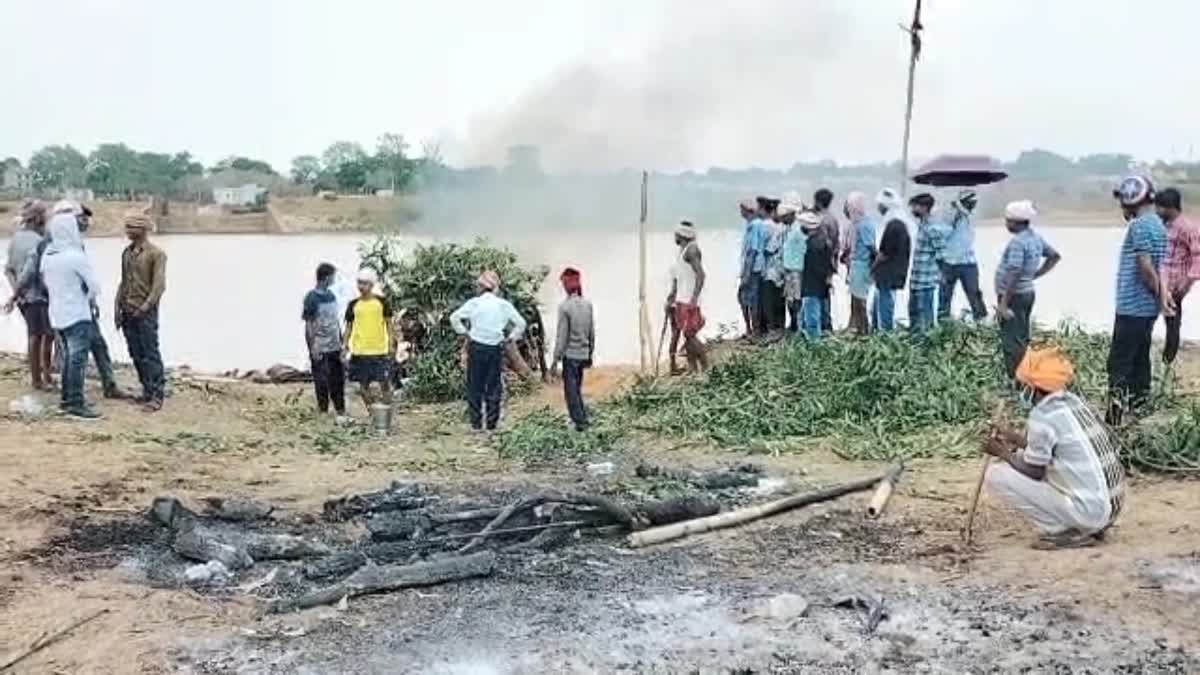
point(959, 171)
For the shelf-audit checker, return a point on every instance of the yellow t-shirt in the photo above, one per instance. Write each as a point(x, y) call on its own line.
point(367, 320)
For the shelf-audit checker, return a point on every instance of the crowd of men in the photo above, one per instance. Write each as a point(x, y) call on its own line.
point(57, 290)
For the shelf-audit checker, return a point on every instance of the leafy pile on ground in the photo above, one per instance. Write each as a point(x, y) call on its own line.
point(885, 396)
point(430, 282)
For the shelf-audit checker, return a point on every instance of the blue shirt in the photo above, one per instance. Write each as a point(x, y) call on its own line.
point(794, 248)
point(754, 247)
point(960, 242)
point(931, 241)
point(1146, 234)
point(1023, 253)
point(865, 232)
point(489, 317)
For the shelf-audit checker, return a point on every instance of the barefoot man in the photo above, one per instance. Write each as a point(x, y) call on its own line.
point(1068, 477)
point(683, 302)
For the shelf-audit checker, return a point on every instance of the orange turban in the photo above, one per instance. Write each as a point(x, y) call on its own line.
point(1046, 369)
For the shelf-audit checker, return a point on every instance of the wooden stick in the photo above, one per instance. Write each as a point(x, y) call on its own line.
point(742, 516)
point(507, 530)
point(983, 469)
point(662, 338)
point(45, 641)
point(883, 492)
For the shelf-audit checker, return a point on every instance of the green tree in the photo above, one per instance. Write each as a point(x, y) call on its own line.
point(306, 169)
point(348, 164)
point(1042, 164)
point(244, 164)
point(391, 157)
point(58, 166)
point(10, 161)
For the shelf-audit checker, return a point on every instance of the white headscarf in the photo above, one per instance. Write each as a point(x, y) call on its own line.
point(1021, 211)
point(63, 230)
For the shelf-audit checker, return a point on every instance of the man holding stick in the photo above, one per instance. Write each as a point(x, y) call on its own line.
point(683, 302)
point(1067, 476)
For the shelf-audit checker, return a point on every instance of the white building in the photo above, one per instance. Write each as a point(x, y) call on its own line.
point(237, 196)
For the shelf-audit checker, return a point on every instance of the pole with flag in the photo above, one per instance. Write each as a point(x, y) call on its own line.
point(914, 33)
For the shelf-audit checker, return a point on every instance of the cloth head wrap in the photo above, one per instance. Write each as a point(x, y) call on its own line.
point(572, 281)
point(1047, 370)
point(856, 205)
point(685, 231)
point(136, 220)
point(1020, 211)
point(489, 281)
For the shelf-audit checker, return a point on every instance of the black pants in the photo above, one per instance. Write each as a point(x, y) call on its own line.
point(827, 311)
point(99, 348)
point(1014, 332)
point(770, 297)
point(968, 275)
point(484, 387)
point(141, 337)
point(1171, 348)
point(1129, 360)
point(572, 377)
point(329, 379)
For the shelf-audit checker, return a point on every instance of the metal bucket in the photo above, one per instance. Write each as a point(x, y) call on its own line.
point(381, 418)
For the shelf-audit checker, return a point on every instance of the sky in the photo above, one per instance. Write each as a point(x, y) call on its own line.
point(660, 84)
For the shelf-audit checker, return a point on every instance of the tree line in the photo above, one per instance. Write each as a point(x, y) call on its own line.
point(115, 170)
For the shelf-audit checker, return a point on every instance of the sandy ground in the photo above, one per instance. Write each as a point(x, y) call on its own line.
point(74, 492)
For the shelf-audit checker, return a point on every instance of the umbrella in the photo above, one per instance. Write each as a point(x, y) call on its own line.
point(959, 171)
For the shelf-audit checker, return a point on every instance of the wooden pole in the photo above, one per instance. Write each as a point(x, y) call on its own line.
point(645, 332)
point(914, 32)
point(748, 514)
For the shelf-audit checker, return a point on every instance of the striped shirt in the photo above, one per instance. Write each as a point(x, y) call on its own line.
point(1023, 253)
point(1080, 454)
point(931, 241)
point(1146, 234)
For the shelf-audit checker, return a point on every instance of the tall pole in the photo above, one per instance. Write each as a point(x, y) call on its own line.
point(645, 333)
point(914, 32)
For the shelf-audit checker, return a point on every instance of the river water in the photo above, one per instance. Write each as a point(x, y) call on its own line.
point(233, 301)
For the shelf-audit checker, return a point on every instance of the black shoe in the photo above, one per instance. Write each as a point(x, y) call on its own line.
point(83, 413)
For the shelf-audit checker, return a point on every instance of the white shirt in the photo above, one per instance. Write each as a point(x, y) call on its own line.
point(489, 317)
point(684, 276)
point(66, 273)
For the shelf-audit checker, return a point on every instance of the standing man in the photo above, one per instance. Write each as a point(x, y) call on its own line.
point(926, 273)
point(370, 341)
point(1026, 257)
point(823, 201)
point(774, 307)
point(575, 345)
point(323, 335)
point(1182, 265)
point(488, 321)
point(861, 256)
point(795, 245)
point(687, 281)
point(818, 268)
point(890, 269)
point(1140, 297)
point(72, 287)
point(961, 265)
point(753, 248)
point(97, 345)
point(29, 293)
point(143, 282)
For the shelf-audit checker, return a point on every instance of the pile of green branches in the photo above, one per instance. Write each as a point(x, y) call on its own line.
point(428, 282)
point(884, 396)
point(545, 436)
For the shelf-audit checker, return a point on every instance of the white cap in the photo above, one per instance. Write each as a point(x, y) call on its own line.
point(1021, 211)
point(67, 206)
point(368, 275)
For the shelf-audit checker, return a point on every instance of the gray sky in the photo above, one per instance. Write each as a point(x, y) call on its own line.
point(660, 83)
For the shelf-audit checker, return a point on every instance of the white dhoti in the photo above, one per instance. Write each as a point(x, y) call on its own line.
point(1051, 509)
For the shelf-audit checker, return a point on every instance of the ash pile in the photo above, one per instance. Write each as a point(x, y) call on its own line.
point(409, 534)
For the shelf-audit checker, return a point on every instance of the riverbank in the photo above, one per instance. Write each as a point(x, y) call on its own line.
point(73, 538)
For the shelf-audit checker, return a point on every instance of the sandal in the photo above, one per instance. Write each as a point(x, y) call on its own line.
point(152, 406)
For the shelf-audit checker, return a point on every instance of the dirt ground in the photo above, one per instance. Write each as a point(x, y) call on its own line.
point(791, 594)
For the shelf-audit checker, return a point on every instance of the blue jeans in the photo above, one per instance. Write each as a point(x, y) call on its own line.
point(76, 342)
point(920, 309)
point(810, 317)
point(141, 336)
point(883, 310)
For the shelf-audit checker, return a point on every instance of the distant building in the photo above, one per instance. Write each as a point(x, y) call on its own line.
point(237, 196)
point(16, 179)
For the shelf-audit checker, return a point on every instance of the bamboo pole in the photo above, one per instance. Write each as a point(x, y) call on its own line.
point(748, 514)
point(914, 32)
point(645, 332)
point(883, 492)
